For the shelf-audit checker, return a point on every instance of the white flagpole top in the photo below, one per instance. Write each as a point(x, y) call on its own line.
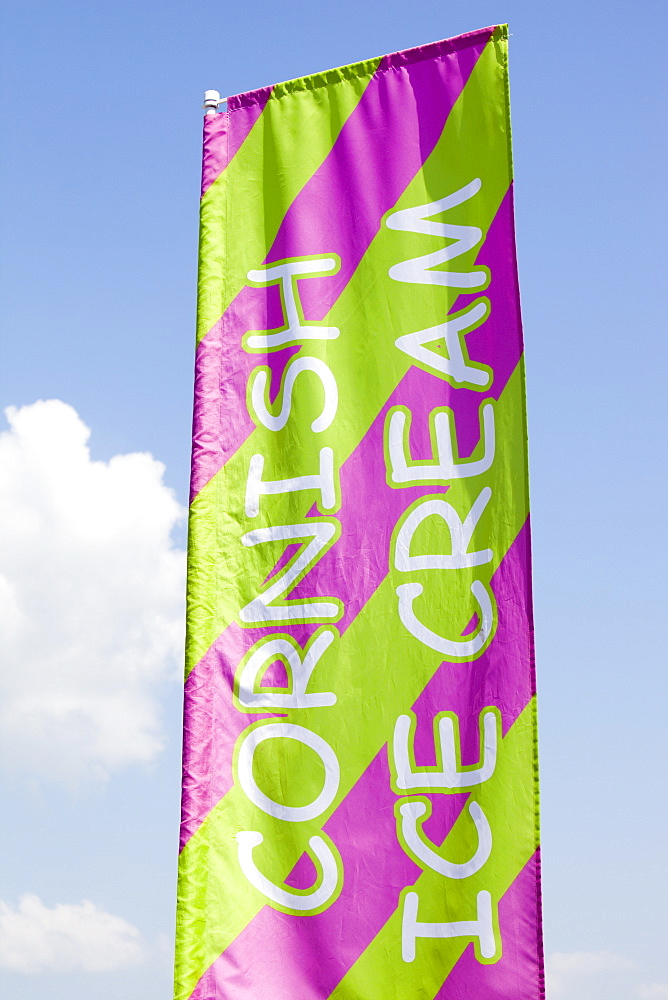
point(211, 101)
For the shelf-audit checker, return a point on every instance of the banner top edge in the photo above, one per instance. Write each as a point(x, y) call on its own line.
point(329, 77)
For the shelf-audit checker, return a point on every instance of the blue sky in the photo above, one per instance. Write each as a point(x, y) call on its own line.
point(100, 180)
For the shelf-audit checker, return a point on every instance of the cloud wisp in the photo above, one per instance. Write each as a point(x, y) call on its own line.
point(578, 974)
point(653, 991)
point(91, 599)
point(35, 938)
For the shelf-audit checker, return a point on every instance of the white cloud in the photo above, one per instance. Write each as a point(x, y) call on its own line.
point(653, 991)
point(82, 938)
point(91, 599)
point(587, 962)
point(567, 973)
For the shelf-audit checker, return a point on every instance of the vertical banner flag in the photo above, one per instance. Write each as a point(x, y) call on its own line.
point(359, 786)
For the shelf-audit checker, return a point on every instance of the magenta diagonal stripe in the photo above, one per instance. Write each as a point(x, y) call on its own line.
point(519, 972)
point(225, 133)
point(339, 210)
point(280, 956)
point(369, 512)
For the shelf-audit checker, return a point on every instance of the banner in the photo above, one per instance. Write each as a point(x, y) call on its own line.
point(359, 784)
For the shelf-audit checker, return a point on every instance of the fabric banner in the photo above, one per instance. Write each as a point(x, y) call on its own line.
point(359, 786)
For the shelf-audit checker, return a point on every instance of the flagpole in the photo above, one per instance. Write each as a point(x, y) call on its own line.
point(211, 101)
